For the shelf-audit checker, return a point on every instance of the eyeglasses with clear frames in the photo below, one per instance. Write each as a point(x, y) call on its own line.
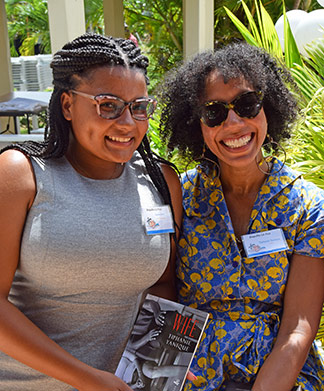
point(111, 107)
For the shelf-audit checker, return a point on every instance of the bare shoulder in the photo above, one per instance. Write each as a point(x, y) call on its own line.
point(16, 177)
point(17, 192)
point(171, 176)
point(172, 180)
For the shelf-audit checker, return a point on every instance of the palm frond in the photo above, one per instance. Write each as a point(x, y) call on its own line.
point(292, 55)
point(242, 29)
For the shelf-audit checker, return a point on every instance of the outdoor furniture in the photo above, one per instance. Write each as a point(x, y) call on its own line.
point(23, 103)
point(6, 139)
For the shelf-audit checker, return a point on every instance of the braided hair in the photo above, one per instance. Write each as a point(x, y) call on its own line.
point(77, 59)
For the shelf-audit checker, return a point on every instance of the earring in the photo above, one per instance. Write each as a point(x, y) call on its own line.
point(207, 159)
point(272, 146)
point(210, 165)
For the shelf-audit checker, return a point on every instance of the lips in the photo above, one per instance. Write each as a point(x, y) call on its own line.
point(239, 142)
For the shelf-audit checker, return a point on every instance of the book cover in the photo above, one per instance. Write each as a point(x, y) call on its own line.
point(232, 386)
point(161, 345)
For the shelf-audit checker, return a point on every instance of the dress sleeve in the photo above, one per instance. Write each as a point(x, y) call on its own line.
point(310, 230)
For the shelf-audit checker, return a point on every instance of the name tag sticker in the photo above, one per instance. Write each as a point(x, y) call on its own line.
point(266, 242)
point(158, 220)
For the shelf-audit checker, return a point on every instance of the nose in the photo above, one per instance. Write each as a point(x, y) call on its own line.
point(126, 118)
point(232, 118)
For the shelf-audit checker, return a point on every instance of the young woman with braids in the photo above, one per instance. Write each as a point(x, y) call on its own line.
point(74, 253)
point(264, 298)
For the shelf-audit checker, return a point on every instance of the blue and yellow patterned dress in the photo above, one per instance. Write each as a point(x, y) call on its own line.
point(244, 295)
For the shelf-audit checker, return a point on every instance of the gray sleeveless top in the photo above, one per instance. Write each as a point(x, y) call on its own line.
point(85, 259)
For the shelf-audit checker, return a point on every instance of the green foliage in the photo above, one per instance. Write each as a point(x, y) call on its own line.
point(157, 24)
point(225, 31)
point(153, 134)
point(28, 22)
point(94, 16)
point(305, 150)
point(262, 34)
point(292, 55)
point(160, 148)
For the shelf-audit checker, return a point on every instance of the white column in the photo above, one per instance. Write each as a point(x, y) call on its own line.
point(6, 86)
point(198, 26)
point(66, 21)
point(114, 18)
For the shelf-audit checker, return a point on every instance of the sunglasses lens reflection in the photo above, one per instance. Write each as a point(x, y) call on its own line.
point(214, 114)
point(248, 105)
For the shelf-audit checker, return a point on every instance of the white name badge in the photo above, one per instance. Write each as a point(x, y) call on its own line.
point(266, 242)
point(158, 220)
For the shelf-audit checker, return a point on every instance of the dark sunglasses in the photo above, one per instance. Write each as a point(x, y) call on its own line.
point(111, 107)
point(247, 105)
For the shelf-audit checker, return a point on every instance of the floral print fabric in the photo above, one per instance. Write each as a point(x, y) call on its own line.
point(244, 295)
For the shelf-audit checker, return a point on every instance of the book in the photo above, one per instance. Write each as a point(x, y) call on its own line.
point(161, 345)
point(232, 386)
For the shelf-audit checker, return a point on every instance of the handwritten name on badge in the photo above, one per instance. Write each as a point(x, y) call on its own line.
point(262, 243)
point(158, 220)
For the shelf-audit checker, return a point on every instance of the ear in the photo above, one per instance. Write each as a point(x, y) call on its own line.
point(66, 104)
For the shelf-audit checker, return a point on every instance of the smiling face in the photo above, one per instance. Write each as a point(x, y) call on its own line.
point(98, 143)
point(237, 141)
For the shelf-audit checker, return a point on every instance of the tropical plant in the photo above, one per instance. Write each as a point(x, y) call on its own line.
point(157, 24)
point(159, 148)
point(28, 26)
point(94, 16)
point(225, 31)
point(305, 151)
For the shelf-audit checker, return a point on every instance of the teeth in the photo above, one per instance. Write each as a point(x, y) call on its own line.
point(237, 142)
point(120, 139)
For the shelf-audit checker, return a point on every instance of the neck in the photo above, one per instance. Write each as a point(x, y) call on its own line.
point(100, 171)
point(243, 180)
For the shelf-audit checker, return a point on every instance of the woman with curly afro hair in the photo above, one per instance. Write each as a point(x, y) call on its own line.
point(251, 251)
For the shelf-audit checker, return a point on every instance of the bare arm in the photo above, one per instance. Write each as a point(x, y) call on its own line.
point(303, 303)
point(165, 287)
point(19, 337)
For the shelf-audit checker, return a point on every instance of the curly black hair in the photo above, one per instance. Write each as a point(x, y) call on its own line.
point(182, 92)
